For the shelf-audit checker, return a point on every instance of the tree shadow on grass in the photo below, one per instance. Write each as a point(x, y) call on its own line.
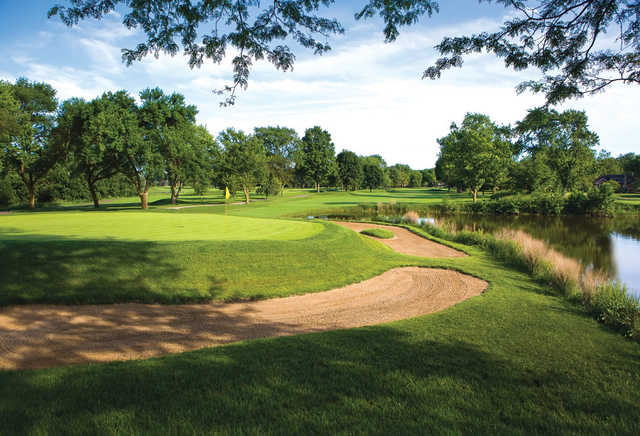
point(68, 271)
point(377, 380)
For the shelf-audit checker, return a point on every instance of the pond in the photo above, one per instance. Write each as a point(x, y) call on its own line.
point(608, 244)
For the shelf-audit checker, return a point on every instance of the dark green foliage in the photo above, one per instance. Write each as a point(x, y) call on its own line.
point(563, 38)
point(242, 160)
point(281, 145)
point(26, 146)
point(317, 156)
point(349, 169)
point(373, 176)
point(475, 155)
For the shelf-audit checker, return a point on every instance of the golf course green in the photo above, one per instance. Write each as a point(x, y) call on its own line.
point(517, 359)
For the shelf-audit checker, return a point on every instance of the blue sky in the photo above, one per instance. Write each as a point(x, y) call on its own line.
point(368, 94)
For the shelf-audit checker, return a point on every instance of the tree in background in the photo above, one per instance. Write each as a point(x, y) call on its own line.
point(281, 145)
point(473, 153)
point(137, 150)
point(606, 164)
point(566, 39)
point(415, 179)
point(169, 124)
point(429, 177)
point(563, 142)
point(243, 159)
point(25, 137)
point(317, 155)
point(349, 170)
point(96, 131)
point(400, 175)
point(373, 176)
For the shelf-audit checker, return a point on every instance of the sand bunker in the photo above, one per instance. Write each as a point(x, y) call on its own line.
point(41, 336)
point(406, 242)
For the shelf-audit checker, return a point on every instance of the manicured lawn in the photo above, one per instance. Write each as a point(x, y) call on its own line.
point(160, 227)
point(513, 361)
point(516, 360)
point(378, 233)
point(172, 257)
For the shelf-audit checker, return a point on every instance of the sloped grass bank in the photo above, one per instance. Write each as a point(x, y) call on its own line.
point(70, 269)
point(512, 361)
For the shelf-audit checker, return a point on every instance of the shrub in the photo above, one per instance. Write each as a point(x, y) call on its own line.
point(378, 233)
point(612, 305)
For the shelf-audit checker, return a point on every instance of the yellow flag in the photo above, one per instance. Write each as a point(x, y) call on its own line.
point(226, 193)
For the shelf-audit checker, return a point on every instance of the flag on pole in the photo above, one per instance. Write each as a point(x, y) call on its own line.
point(226, 193)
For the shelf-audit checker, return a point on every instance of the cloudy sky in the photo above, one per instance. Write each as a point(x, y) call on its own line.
point(366, 93)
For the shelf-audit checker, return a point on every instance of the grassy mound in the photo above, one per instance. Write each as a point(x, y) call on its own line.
point(378, 233)
point(109, 257)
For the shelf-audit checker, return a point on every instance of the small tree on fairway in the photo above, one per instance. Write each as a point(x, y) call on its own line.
point(349, 169)
point(243, 159)
point(26, 137)
point(318, 155)
point(474, 153)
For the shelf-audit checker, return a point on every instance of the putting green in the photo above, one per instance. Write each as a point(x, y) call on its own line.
point(140, 226)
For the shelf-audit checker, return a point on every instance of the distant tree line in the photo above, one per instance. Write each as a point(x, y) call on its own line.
point(115, 146)
point(546, 152)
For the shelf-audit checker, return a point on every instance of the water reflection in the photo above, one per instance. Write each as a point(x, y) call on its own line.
point(608, 244)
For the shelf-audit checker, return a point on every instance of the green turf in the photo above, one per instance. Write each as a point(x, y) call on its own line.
point(378, 233)
point(516, 360)
point(160, 227)
point(513, 361)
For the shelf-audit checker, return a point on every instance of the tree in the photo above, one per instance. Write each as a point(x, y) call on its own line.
point(605, 164)
point(473, 153)
point(415, 179)
point(564, 142)
point(281, 145)
point(373, 176)
point(96, 131)
point(169, 124)
point(243, 159)
point(317, 155)
point(429, 177)
point(25, 136)
point(349, 169)
point(140, 159)
point(566, 39)
point(400, 175)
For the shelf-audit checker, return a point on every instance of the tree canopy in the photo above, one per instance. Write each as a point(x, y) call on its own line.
point(568, 40)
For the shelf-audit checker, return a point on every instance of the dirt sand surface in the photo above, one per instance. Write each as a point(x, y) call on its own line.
point(41, 336)
point(406, 242)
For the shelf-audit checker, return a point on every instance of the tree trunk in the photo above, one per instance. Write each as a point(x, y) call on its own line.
point(317, 187)
point(282, 190)
point(94, 196)
point(475, 195)
point(174, 197)
point(144, 200)
point(246, 194)
point(32, 197)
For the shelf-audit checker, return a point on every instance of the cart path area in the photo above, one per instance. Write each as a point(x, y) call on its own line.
point(406, 242)
point(40, 336)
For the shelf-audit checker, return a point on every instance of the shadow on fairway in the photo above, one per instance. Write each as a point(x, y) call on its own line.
point(106, 271)
point(375, 380)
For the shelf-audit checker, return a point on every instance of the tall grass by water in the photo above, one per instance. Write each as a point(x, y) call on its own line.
point(607, 300)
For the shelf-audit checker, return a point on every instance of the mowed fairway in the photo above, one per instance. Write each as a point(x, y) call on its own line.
point(514, 360)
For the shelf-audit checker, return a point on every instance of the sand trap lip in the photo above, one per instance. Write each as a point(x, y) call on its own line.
point(42, 336)
point(406, 242)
